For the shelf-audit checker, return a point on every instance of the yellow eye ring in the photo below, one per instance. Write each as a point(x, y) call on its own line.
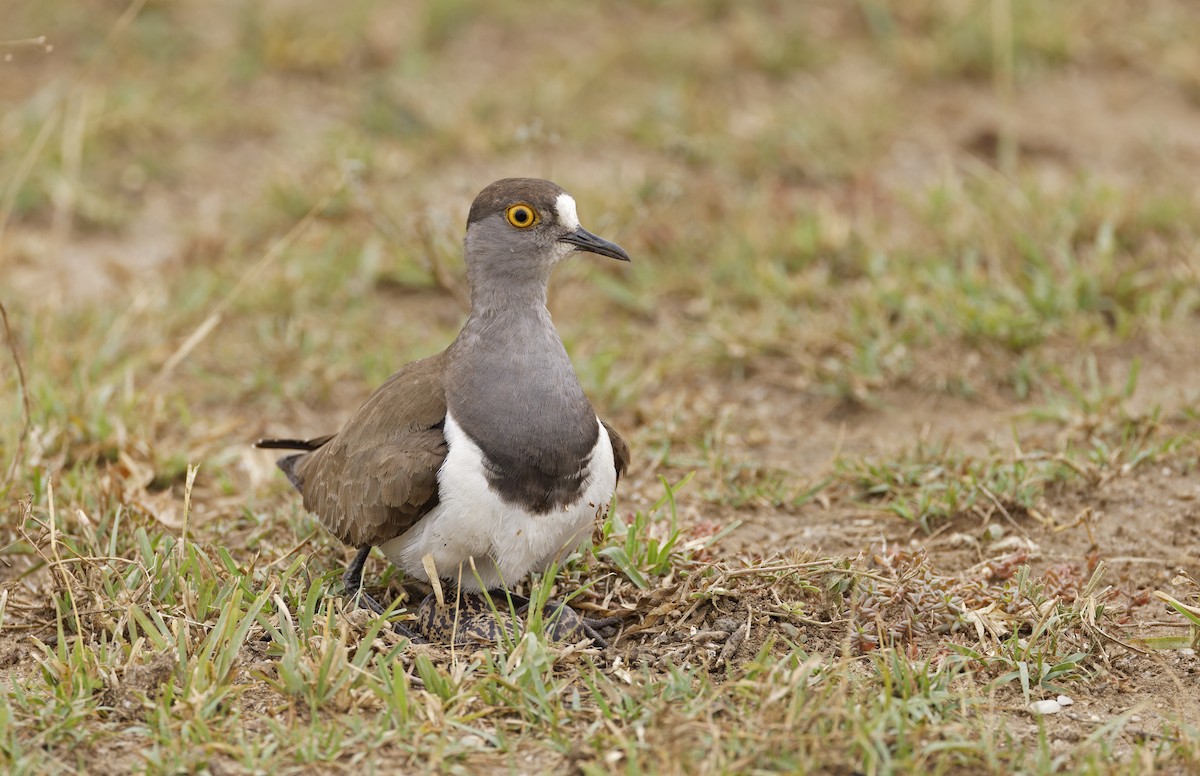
point(521, 215)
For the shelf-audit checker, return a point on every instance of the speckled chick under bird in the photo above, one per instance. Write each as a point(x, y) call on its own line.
point(486, 461)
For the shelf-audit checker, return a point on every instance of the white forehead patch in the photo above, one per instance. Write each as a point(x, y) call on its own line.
point(565, 204)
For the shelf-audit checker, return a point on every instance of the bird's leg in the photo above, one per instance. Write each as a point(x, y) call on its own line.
point(564, 623)
point(352, 582)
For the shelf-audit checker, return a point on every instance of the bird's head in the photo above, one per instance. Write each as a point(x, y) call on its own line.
point(519, 228)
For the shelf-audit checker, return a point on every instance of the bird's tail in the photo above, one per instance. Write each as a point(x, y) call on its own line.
point(307, 445)
point(288, 463)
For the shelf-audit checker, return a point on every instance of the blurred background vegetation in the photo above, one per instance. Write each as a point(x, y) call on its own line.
point(827, 202)
point(825, 199)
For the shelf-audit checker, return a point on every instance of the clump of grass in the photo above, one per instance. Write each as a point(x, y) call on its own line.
point(1189, 611)
point(646, 545)
point(930, 485)
point(772, 628)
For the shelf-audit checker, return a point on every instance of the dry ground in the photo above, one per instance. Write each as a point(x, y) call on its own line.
point(914, 305)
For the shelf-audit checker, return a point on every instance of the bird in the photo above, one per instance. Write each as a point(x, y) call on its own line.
point(485, 462)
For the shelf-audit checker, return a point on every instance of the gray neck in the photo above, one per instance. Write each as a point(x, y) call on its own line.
point(492, 297)
point(501, 274)
point(510, 386)
point(509, 370)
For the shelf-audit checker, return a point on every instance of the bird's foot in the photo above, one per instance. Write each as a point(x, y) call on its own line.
point(565, 624)
point(352, 582)
point(489, 619)
point(363, 600)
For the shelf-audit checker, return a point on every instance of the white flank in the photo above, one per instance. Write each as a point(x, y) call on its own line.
point(567, 215)
point(506, 542)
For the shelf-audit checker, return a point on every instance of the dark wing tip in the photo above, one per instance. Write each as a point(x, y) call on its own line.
point(620, 450)
point(287, 465)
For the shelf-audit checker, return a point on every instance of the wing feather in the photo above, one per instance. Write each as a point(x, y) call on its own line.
point(376, 477)
point(620, 450)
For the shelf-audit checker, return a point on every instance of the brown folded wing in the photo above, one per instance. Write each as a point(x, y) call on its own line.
point(619, 448)
point(375, 478)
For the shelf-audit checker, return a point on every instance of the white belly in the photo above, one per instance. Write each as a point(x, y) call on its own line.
point(471, 521)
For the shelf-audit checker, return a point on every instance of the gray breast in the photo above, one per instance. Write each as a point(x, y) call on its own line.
point(511, 388)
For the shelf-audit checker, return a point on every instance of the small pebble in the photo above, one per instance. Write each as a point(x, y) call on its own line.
point(958, 541)
point(1065, 700)
point(735, 640)
point(1045, 707)
point(704, 637)
point(1015, 544)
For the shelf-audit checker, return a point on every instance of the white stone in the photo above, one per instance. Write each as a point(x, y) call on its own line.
point(1045, 707)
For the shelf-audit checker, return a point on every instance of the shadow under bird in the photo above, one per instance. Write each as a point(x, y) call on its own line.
point(485, 461)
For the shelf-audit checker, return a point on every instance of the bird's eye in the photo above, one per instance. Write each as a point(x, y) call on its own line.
point(521, 216)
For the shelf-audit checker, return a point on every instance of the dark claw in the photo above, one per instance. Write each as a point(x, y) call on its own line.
point(566, 624)
point(409, 633)
point(364, 601)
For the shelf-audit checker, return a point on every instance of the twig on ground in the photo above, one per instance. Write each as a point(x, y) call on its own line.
point(214, 316)
point(26, 414)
